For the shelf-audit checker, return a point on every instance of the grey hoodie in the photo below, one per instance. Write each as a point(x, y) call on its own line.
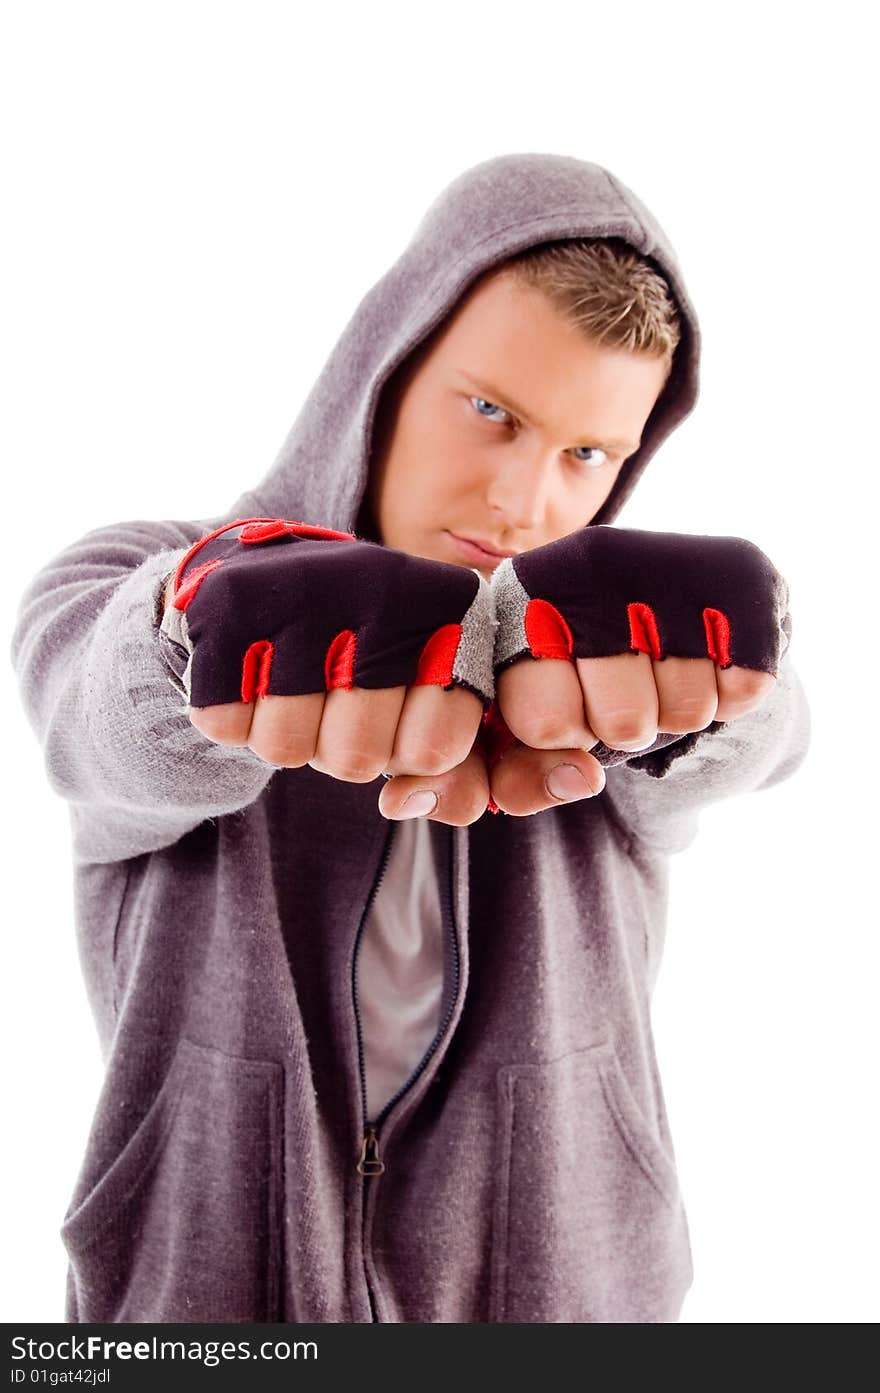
point(529, 1170)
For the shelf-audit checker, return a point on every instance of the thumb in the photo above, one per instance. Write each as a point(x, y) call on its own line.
point(527, 781)
point(461, 793)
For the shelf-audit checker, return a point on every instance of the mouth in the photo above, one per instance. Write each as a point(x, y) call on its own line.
point(479, 554)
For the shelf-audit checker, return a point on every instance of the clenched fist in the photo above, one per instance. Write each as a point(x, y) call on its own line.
point(312, 647)
point(600, 642)
point(617, 636)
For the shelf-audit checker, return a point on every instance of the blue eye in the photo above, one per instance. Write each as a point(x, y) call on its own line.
point(481, 401)
point(594, 449)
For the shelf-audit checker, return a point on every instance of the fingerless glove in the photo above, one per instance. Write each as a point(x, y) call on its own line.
point(606, 590)
point(269, 606)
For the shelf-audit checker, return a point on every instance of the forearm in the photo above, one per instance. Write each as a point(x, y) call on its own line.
point(97, 689)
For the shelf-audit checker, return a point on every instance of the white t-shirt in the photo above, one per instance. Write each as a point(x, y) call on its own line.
point(400, 965)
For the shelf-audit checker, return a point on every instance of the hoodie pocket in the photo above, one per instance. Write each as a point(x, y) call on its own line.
point(588, 1222)
point(185, 1225)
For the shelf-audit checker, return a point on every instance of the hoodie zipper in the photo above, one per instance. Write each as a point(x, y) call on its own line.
point(368, 1138)
point(370, 1161)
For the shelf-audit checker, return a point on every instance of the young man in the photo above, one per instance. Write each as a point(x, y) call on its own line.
point(369, 1061)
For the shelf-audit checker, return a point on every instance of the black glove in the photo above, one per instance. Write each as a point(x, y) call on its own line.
point(608, 590)
point(605, 590)
point(269, 606)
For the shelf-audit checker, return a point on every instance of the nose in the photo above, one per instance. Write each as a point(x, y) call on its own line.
point(519, 491)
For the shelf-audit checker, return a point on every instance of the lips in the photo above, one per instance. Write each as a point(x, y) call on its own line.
point(478, 550)
point(488, 547)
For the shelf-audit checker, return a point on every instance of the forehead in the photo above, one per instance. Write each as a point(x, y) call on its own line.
point(507, 340)
point(497, 304)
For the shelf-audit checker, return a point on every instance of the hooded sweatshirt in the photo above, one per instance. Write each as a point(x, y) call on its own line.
point(467, 1123)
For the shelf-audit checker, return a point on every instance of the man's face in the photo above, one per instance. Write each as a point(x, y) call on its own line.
point(510, 429)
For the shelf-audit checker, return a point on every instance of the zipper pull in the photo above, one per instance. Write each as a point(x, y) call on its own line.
point(370, 1163)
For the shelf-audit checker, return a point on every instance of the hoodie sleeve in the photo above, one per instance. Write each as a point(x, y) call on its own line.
point(657, 796)
point(102, 694)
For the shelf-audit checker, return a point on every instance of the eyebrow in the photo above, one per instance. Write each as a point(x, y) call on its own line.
point(504, 399)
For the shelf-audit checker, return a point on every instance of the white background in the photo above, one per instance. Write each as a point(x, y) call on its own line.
point(196, 197)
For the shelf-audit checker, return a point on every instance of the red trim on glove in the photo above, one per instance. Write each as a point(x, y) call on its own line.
point(717, 636)
point(547, 633)
point(643, 631)
point(339, 660)
point(255, 669)
point(192, 583)
point(438, 657)
point(281, 527)
point(300, 528)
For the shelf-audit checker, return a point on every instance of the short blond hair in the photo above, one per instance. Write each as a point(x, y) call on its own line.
point(605, 288)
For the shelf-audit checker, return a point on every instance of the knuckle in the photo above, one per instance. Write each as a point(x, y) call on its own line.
point(622, 728)
point(541, 734)
point(540, 729)
point(421, 756)
point(741, 691)
point(747, 685)
point(217, 725)
point(285, 753)
point(356, 766)
point(687, 716)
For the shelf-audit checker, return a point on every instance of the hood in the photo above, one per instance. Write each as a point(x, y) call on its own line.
point(486, 214)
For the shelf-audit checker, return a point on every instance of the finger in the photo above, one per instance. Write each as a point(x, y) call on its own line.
point(435, 731)
point(688, 694)
point(284, 729)
point(462, 793)
point(520, 785)
point(227, 723)
point(620, 699)
point(543, 704)
point(741, 689)
point(356, 734)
